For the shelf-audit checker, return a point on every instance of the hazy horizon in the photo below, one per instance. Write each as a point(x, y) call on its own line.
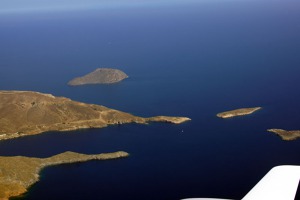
point(28, 6)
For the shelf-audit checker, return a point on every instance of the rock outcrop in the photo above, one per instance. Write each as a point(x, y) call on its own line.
point(18, 173)
point(238, 112)
point(25, 113)
point(286, 135)
point(100, 76)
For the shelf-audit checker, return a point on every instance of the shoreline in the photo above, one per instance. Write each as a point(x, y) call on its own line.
point(29, 113)
point(19, 173)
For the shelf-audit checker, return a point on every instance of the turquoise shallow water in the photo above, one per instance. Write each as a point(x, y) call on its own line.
point(193, 60)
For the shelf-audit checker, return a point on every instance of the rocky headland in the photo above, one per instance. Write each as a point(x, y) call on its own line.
point(238, 112)
point(99, 76)
point(286, 135)
point(18, 173)
point(25, 113)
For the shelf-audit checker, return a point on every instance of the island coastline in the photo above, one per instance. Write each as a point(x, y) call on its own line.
point(24, 113)
point(286, 135)
point(238, 112)
point(18, 173)
point(99, 76)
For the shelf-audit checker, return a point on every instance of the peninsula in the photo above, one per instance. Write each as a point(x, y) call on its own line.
point(100, 76)
point(18, 173)
point(286, 135)
point(25, 113)
point(238, 112)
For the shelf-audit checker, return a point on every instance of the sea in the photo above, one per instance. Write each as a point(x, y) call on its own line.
point(189, 58)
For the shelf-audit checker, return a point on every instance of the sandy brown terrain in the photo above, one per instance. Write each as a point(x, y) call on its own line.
point(25, 113)
point(238, 112)
point(18, 173)
point(286, 135)
point(100, 76)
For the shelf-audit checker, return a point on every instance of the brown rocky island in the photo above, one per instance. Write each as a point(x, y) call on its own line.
point(286, 135)
point(18, 173)
point(100, 76)
point(238, 112)
point(25, 113)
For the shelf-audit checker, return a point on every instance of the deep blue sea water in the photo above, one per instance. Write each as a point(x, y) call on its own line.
point(192, 59)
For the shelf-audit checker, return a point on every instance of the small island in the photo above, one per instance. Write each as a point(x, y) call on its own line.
point(238, 112)
point(18, 173)
point(286, 135)
point(100, 76)
point(25, 113)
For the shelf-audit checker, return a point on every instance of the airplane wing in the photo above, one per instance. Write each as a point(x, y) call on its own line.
point(280, 183)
